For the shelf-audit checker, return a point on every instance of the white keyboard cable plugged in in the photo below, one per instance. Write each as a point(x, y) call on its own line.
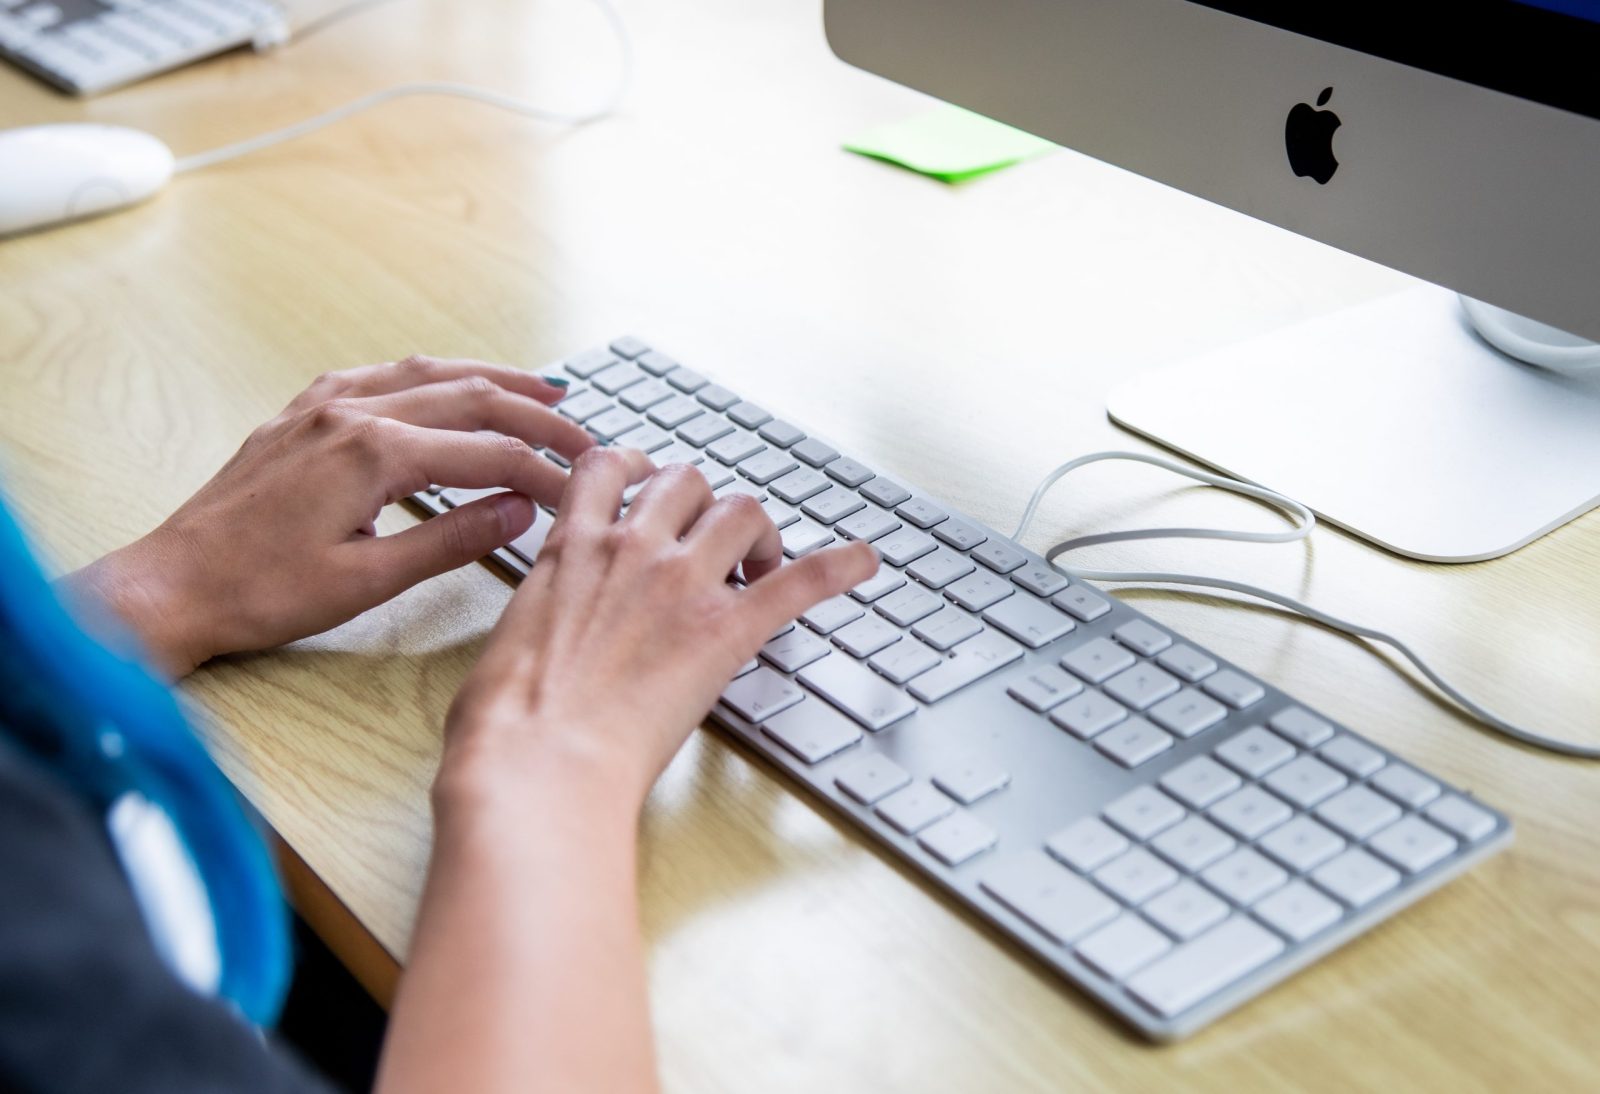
point(1304, 522)
point(199, 160)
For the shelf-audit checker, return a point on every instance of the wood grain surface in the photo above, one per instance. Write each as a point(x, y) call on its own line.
point(963, 339)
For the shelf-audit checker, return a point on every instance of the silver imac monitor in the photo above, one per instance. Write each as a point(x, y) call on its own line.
point(1457, 143)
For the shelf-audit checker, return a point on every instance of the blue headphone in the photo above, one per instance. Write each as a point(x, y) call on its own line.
point(98, 718)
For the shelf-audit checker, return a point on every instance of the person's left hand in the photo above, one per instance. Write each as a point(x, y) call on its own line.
point(280, 544)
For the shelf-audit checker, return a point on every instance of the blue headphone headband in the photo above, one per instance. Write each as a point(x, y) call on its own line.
point(101, 720)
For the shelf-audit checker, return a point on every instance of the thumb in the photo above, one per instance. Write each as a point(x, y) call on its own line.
point(447, 542)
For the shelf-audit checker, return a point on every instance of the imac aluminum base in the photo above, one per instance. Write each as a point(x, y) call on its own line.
point(1392, 420)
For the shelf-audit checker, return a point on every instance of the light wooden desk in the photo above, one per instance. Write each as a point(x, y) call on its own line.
point(961, 338)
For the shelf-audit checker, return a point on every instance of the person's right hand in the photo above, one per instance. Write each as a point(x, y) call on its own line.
point(627, 629)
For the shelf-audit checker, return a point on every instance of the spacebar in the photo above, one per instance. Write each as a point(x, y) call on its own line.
point(970, 662)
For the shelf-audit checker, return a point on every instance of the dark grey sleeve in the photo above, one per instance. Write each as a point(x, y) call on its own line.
point(86, 1005)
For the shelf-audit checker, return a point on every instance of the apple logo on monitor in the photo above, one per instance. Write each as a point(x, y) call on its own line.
point(1308, 136)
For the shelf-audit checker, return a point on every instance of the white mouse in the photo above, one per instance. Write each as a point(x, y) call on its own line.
point(55, 173)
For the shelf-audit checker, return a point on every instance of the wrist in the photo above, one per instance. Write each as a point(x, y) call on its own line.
point(145, 587)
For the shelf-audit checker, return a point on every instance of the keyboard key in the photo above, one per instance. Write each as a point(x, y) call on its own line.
point(865, 696)
point(1087, 844)
point(1133, 742)
point(980, 590)
point(1186, 909)
point(1097, 660)
point(1355, 877)
point(798, 485)
point(1136, 876)
point(759, 695)
point(748, 415)
point(655, 362)
point(1412, 844)
point(802, 537)
point(763, 467)
point(735, 486)
point(957, 838)
point(871, 778)
point(1143, 812)
point(643, 396)
point(1187, 713)
point(1236, 690)
point(1461, 817)
point(848, 471)
point(959, 534)
point(1141, 686)
point(879, 585)
point(1000, 557)
point(914, 807)
point(938, 568)
point(629, 347)
point(646, 438)
point(1204, 966)
point(1031, 621)
point(970, 662)
point(618, 376)
point(1301, 726)
point(946, 627)
point(1298, 911)
point(612, 424)
point(868, 524)
point(1406, 786)
point(735, 447)
point(972, 781)
point(904, 546)
point(831, 504)
point(1187, 663)
point(1305, 781)
point(1123, 946)
point(674, 412)
point(1142, 638)
point(780, 514)
point(1248, 812)
point(904, 660)
point(1200, 782)
point(703, 430)
point(811, 731)
point(1039, 579)
point(881, 491)
point(831, 614)
point(921, 512)
point(676, 452)
point(813, 452)
point(1088, 714)
point(686, 379)
point(716, 397)
point(780, 433)
point(1082, 603)
point(1043, 688)
point(1255, 752)
point(1193, 844)
point(1049, 897)
point(587, 364)
point(1358, 812)
point(1351, 756)
point(794, 649)
point(1244, 877)
point(866, 636)
point(583, 406)
point(904, 607)
point(1302, 844)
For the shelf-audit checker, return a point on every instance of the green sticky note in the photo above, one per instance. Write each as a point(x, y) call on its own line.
point(949, 144)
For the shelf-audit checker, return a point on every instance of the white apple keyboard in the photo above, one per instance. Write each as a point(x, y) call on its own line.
point(89, 46)
point(1161, 828)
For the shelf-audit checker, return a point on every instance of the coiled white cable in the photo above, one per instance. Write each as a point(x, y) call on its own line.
point(199, 160)
point(1304, 521)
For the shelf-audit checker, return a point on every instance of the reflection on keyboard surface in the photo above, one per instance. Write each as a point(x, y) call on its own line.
point(1157, 826)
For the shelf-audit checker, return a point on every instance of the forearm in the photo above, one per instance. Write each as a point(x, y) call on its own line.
point(526, 969)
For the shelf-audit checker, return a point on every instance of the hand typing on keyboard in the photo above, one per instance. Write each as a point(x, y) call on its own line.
point(280, 543)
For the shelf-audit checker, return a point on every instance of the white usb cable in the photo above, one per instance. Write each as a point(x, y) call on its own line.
point(1304, 521)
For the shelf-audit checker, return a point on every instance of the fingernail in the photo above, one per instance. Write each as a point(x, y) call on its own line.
point(557, 381)
point(507, 509)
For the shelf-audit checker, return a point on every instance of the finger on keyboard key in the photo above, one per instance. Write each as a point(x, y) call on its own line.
point(864, 696)
point(970, 662)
